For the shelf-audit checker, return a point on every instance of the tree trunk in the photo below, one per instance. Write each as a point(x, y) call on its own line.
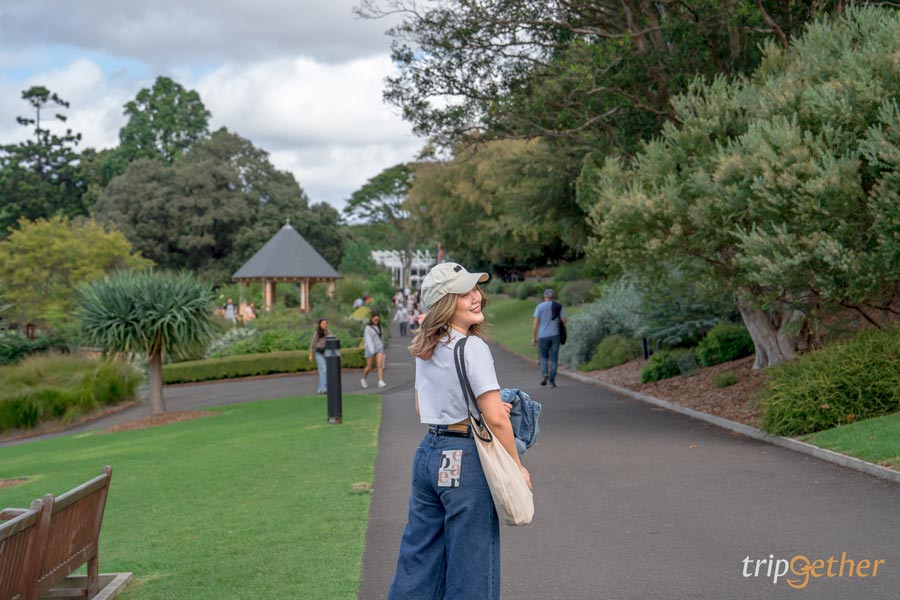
point(157, 402)
point(772, 342)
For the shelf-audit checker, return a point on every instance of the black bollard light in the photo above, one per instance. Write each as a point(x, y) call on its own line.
point(333, 378)
point(645, 348)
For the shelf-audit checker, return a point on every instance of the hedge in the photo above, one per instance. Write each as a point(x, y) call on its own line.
point(248, 365)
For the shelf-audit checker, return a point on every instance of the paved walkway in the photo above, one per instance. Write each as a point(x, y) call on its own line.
point(632, 501)
point(637, 502)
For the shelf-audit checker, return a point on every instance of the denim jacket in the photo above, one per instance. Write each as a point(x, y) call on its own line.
point(523, 416)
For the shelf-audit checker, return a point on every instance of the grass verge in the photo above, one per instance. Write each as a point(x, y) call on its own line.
point(510, 321)
point(875, 440)
point(256, 502)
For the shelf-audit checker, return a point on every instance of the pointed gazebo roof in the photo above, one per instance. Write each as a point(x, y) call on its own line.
point(286, 257)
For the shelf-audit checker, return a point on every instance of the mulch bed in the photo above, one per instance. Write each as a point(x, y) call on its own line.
point(738, 402)
point(8, 483)
point(158, 420)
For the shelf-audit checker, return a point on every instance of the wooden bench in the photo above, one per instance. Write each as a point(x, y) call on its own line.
point(41, 546)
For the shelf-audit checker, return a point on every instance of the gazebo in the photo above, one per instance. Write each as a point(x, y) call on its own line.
point(287, 257)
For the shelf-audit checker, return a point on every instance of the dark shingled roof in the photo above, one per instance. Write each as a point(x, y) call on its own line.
point(286, 255)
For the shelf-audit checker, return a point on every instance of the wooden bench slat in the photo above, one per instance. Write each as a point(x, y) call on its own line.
point(41, 546)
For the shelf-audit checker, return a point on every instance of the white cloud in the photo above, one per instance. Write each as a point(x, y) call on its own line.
point(301, 79)
point(291, 102)
point(164, 33)
point(95, 103)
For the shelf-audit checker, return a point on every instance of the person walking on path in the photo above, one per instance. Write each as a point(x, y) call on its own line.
point(545, 334)
point(230, 314)
point(373, 348)
point(401, 318)
point(450, 548)
point(317, 348)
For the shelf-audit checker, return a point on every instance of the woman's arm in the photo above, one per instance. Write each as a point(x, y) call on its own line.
point(496, 414)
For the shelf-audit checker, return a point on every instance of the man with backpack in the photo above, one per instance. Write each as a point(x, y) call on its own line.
point(547, 333)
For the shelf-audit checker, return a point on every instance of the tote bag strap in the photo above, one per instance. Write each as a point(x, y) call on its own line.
point(459, 358)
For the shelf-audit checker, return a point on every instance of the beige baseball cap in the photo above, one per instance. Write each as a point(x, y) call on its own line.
point(448, 278)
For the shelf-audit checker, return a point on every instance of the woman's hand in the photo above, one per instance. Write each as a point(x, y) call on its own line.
point(310, 356)
point(526, 475)
point(507, 407)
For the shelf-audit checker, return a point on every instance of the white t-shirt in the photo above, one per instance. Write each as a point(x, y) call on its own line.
point(441, 400)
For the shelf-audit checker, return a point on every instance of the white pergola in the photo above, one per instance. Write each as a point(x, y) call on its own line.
point(422, 260)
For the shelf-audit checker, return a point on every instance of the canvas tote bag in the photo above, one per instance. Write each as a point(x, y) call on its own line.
point(512, 497)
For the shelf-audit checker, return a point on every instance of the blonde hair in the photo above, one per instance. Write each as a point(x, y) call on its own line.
point(436, 325)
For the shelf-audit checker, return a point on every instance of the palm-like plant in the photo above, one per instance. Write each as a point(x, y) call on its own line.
point(151, 313)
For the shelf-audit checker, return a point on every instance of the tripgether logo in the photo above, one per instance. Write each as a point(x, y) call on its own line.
point(799, 569)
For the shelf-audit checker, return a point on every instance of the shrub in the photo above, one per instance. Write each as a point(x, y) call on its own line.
point(725, 342)
point(14, 347)
point(252, 364)
point(43, 388)
point(494, 286)
point(570, 272)
point(523, 290)
point(618, 311)
point(725, 379)
point(578, 292)
point(348, 289)
point(844, 382)
point(613, 351)
point(668, 363)
point(221, 346)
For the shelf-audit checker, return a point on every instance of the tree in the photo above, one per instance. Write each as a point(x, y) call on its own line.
point(781, 189)
point(211, 210)
point(576, 69)
point(153, 313)
point(163, 122)
point(502, 201)
point(43, 262)
point(40, 177)
point(381, 202)
point(357, 258)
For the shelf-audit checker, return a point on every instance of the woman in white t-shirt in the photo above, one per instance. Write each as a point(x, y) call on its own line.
point(373, 350)
point(451, 545)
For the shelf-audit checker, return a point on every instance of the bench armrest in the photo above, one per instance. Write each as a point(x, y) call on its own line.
point(11, 513)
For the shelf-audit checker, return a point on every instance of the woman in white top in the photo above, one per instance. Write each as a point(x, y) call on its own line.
point(373, 350)
point(450, 548)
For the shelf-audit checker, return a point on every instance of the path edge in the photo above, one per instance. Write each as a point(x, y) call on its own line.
point(831, 456)
point(752, 432)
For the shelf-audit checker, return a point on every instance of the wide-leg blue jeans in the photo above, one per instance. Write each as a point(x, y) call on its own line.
point(549, 347)
point(323, 373)
point(451, 546)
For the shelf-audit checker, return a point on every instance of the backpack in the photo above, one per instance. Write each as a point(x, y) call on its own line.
point(555, 311)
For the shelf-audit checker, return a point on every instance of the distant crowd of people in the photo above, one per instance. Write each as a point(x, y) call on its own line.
point(243, 313)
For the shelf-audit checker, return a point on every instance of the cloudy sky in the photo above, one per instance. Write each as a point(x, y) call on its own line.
point(301, 79)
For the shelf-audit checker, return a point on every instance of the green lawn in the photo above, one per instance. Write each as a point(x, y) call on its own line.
point(875, 440)
point(255, 502)
point(510, 321)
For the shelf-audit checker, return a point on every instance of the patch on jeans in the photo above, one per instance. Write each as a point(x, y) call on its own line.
point(451, 468)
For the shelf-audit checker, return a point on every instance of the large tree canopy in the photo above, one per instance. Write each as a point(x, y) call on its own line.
point(504, 201)
point(212, 209)
point(579, 69)
point(43, 262)
point(381, 202)
point(782, 188)
point(163, 122)
point(40, 177)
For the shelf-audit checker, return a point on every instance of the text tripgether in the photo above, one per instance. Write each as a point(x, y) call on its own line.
point(800, 569)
